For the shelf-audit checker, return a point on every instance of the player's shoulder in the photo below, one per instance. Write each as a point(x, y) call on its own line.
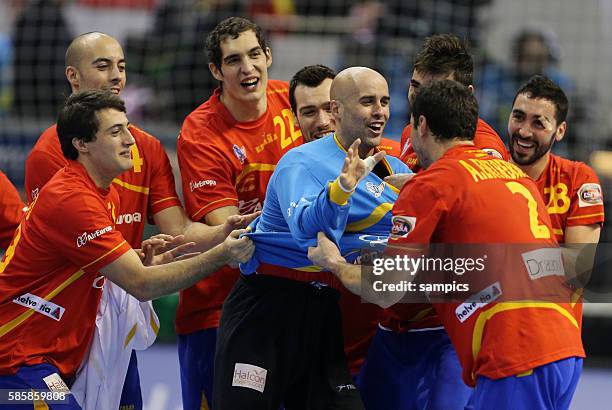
point(397, 165)
point(574, 170)
point(311, 153)
point(277, 87)
point(143, 138)
point(48, 140)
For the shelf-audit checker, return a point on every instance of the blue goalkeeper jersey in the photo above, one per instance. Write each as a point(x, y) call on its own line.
point(299, 204)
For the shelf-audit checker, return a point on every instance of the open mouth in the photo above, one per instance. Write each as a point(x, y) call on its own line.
point(250, 84)
point(376, 127)
point(524, 146)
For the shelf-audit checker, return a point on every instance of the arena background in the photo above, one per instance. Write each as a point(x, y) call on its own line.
point(168, 77)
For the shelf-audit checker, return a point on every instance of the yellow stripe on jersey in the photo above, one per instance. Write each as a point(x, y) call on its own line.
point(506, 306)
point(130, 335)
point(558, 231)
point(163, 200)
point(377, 214)
point(252, 168)
point(153, 321)
point(585, 216)
point(136, 188)
point(7, 327)
point(311, 268)
point(195, 215)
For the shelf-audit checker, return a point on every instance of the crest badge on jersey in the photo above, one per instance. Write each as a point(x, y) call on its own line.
point(240, 153)
point(402, 226)
point(374, 189)
point(590, 194)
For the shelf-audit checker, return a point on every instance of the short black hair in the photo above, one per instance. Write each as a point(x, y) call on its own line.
point(445, 54)
point(542, 87)
point(309, 76)
point(450, 108)
point(231, 27)
point(77, 118)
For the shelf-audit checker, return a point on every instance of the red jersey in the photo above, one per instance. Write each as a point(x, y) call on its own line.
point(572, 193)
point(391, 147)
point(459, 200)
point(486, 139)
point(224, 162)
point(49, 282)
point(145, 190)
point(11, 210)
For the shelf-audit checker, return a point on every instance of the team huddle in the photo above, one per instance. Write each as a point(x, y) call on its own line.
point(284, 185)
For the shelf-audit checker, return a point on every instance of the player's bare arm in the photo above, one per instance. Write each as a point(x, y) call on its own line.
point(150, 282)
point(174, 221)
point(398, 180)
point(579, 252)
point(327, 256)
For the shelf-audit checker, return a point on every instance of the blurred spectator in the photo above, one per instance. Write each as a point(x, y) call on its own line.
point(534, 51)
point(40, 38)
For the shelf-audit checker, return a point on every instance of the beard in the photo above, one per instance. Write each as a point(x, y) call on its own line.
point(539, 150)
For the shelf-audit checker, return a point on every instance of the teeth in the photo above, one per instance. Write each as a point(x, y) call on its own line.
point(250, 83)
point(525, 144)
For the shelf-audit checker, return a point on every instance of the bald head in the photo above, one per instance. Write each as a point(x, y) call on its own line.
point(95, 61)
point(349, 81)
point(360, 107)
point(83, 45)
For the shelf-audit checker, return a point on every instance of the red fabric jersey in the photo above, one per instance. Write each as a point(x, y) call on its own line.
point(146, 189)
point(11, 210)
point(391, 147)
point(573, 196)
point(572, 193)
point(49, 285)
point(458, 200)
point(228, 163)
point(486, 139)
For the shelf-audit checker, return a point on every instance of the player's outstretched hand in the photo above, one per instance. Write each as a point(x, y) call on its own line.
point(398, 180)
point(238, 250)
point(354, 168)
point(325, 254)
point(239, 221)
point(161, 248)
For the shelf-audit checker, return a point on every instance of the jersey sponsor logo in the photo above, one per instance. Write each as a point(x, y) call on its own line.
point(374, 240)
point(477, 301)
point(402, 226)
point(250, 376)
point(85, 237)
point(374, 189)
point(589, 194)
point(34, 193)
point(240, 153)
point(129, 218)
point(40, 305)
point(250, 206)
point(201, 184)
point(493, 153)
point(544, 262)
point(55, 383)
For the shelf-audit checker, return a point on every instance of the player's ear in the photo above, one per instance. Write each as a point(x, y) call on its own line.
point(422, 124)
point(79, 144)
point(471, 88)
point(561, 131)
point(268, 53)
point(72, 75)
point(215, 71)
point(334, 107)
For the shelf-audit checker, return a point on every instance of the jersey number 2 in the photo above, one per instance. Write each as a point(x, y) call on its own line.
point(538, 231)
